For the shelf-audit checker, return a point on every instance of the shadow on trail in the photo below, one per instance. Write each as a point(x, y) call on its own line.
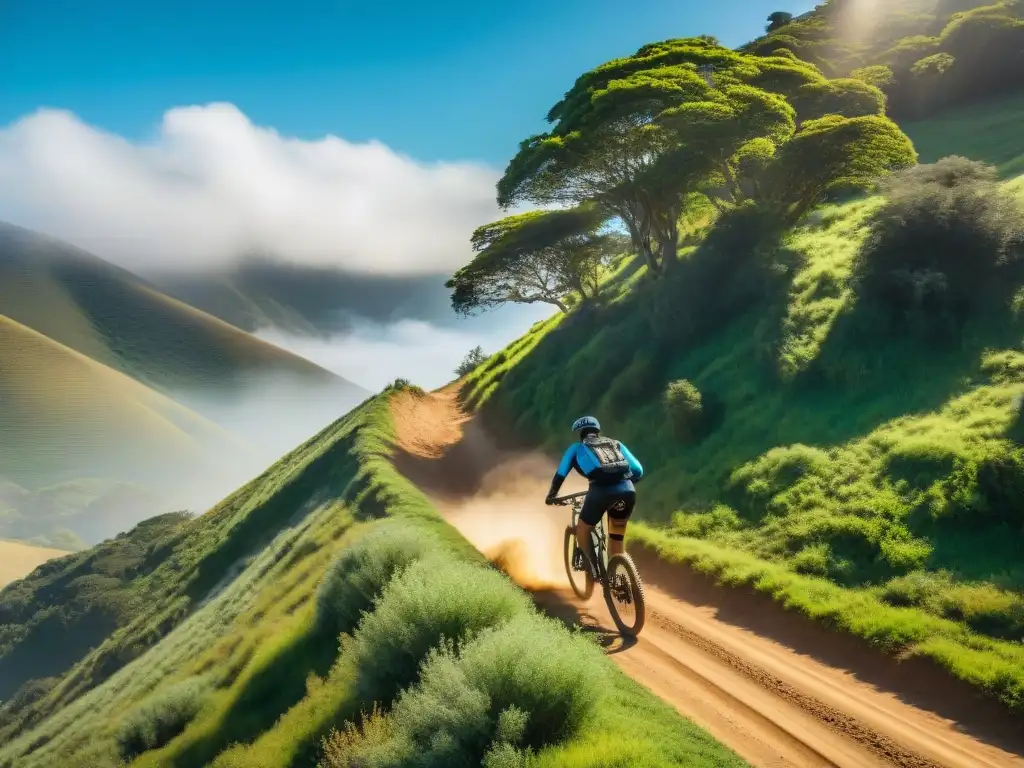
point(916, 681)
point(561, 606)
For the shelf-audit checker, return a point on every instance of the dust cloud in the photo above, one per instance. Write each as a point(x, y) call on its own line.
point(509, 523)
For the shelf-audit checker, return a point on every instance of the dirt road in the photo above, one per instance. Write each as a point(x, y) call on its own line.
point(778, 689)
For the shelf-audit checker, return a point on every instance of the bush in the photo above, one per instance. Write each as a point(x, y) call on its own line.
point(511, 691)
point(357, 578)
point(161, 717)
point(539, 667)
point(944, 243)
point(699, 525)
point(473, 358)
point(433, 599)
point(684, 407)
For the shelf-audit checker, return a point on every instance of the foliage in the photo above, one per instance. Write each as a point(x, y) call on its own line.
point(354, 582)
point(684, 407)
point(475, 357)
point(778, 19)
point(533, 257)
point(927, 58)
point(871, 457)
point(419, 608)
point(161, 717)
point(52, 619)
point(944, 244)
point(642, 136)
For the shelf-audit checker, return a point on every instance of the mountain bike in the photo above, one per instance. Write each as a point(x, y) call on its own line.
point(620, 581)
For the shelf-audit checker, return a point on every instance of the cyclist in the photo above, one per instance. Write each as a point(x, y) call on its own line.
point(611, 470)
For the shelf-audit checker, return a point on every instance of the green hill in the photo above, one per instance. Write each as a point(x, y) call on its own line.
point(113, 317)
point(825, 391)
point(870, 479)
point(113, 393)
point(215, 640)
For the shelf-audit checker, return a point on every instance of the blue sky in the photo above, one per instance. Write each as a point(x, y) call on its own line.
point(443, 80)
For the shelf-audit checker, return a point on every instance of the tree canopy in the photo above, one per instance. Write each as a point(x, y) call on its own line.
point(637, 136)
point(540, 256)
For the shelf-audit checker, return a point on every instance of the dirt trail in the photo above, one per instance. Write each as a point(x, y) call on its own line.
point(779, 690)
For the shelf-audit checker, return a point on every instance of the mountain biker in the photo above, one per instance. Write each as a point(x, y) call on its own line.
point(611, 470)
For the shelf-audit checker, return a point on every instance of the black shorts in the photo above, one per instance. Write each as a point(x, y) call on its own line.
point(618, 504)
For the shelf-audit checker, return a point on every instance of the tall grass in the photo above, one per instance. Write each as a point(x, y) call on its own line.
point(161, 717)
point(437, 598)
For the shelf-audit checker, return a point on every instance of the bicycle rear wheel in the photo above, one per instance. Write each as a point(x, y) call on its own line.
point(581, 581)
point(624, 593)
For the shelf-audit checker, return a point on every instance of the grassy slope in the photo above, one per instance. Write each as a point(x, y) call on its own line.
point(831, 449)
point(17, 560)
point(273, 685)
point(110, 315)
point(66, 416)
point(990, 131)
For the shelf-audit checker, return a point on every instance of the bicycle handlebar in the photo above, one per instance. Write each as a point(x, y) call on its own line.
point(569, 498)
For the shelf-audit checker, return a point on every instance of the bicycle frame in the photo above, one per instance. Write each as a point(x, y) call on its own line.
point(575, 502)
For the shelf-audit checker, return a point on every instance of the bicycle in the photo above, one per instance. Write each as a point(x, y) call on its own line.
point(620, 581)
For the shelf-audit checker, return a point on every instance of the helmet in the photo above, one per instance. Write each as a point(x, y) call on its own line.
point(586, 422)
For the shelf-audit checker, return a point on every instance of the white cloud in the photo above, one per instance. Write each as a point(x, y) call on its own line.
point(374, 355)
point(211, 184)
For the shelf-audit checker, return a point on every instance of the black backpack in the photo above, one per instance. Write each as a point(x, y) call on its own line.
point(611, 463)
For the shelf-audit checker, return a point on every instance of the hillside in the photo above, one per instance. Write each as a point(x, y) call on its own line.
point(310, 301)
point(812, 344)
point(928, 56)
point(18, 560)
point(115, 318)
point(820, 455)
point(224, 649)
point(114, 393)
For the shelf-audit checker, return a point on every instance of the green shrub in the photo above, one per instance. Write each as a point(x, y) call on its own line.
point(537, 666)
point(684, 407)
point(357, 578)
point(512, 690)
point(161, 717)
point(699, 525)
point(474, 358)
point(435, 598)
point(942, 245)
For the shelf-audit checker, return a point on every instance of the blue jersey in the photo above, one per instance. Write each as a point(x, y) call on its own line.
point(577, 456)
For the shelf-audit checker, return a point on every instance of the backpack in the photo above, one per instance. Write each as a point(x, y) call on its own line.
point(611, 464)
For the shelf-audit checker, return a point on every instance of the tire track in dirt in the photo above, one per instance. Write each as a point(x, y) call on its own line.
point(771, 696)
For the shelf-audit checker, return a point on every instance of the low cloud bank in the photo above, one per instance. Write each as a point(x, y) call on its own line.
point(375, 354)
point(211, 186)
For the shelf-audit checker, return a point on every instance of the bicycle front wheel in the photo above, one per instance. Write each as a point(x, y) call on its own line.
point(581, 581)
point(624, 593)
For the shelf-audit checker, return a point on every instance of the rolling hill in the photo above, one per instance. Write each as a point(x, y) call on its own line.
point(113, 393)
point(117, 319)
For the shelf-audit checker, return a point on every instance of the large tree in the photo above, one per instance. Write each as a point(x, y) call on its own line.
point(637, 135)
point(541, 256)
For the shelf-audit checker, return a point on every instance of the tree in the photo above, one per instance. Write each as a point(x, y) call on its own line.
point(619, 140)
point(829, 153)
point(848, 97)
point(541, 256)
point(778, 19)
point(877, 75)
point(469, 363)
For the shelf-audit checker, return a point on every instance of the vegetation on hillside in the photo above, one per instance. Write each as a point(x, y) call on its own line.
point(345, 634)
point(826, 394)
point(681, 127)
point(926, 55)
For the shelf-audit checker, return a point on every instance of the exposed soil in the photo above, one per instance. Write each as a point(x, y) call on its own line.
point(777, 688)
